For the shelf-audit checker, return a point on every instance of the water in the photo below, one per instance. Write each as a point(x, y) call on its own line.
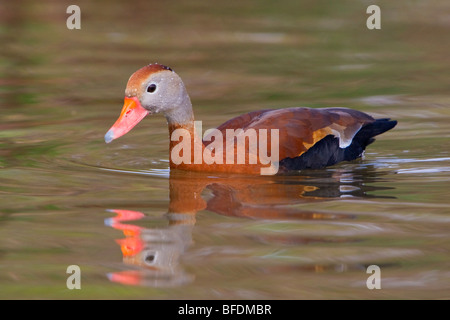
point(137, 230)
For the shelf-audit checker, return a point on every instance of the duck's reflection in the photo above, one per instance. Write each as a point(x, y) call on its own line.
point(155, 252)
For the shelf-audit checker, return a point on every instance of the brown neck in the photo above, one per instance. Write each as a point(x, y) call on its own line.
point(188, 127)
point(185, 139)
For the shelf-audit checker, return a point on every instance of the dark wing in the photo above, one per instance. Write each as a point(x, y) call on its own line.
point(327, 152)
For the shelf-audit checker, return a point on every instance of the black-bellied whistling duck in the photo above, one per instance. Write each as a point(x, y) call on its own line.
point(305, 138)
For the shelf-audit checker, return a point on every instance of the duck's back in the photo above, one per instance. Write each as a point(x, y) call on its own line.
point(313, 138)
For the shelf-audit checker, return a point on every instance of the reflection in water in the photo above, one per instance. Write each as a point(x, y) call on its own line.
point(155, 252)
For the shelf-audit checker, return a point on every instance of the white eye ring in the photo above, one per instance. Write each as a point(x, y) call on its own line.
point(151, 88)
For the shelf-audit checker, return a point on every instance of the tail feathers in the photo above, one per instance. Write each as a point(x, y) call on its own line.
point(375, 128)
point(365, 136)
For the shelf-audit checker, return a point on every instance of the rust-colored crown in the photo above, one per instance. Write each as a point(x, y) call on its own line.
point(136, 79)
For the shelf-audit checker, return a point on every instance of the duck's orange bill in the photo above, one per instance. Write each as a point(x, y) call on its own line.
point(132, 113)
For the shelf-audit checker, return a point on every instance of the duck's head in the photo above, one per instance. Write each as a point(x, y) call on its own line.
point(154, 88)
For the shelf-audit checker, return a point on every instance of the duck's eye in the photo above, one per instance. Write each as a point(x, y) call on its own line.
point(151, 88)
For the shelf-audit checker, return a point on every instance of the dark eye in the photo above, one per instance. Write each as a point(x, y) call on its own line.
point(151, 88)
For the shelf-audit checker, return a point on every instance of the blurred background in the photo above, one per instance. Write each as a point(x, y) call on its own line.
point(138, 231)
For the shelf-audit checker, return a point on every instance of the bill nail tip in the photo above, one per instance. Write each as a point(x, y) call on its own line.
point(109, 137)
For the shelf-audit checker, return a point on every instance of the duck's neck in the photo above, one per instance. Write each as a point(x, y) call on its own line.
point(182, 117)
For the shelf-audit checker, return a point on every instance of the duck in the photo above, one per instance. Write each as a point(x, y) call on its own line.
point(298, 138)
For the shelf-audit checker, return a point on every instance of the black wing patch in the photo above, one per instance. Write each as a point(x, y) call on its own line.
point(326, 152)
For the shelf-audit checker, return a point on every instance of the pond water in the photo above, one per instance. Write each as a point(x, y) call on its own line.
point(137, 230)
